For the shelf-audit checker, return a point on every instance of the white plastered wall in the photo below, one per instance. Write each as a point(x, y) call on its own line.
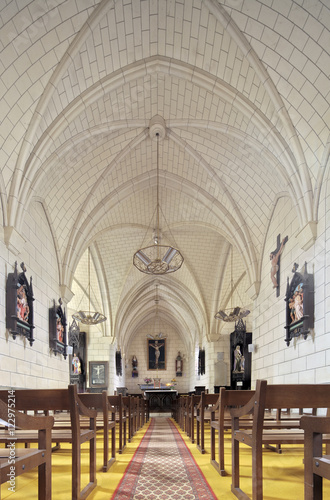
point(20, 364)
point(303, 361)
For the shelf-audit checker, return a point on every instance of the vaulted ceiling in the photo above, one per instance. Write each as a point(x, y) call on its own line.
point(241, 90)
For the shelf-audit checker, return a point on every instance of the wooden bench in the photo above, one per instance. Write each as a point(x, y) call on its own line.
point(106, 421)
point(317, 465)
point(127, 405)
point(204, 410)
point(23, 460)
point(221, 421)
point(146, 410)
point(143, 411)
point(185, 413)
point(174, 409)
point(193, 402)
point(50, 400)
point(182, 410)
point(271, 396)
point(135, 413)
point(121, 419)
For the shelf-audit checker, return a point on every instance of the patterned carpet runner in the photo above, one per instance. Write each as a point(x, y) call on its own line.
point(163, 468)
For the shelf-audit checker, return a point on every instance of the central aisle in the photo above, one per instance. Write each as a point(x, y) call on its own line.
point(163, 468)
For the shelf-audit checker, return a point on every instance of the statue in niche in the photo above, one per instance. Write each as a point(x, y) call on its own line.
point(135, 372)
point(239, 360)
point(76, 365)
point(178, 365)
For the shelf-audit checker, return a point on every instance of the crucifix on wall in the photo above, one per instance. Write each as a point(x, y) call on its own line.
point(275, 263)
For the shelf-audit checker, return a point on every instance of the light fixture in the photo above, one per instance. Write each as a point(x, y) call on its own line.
point(89, 317)
point(74, 334)
point(157, 259)
point(236, 313)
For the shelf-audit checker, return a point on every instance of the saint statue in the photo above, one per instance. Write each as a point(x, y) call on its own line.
point(238, 360)
point(178, 365)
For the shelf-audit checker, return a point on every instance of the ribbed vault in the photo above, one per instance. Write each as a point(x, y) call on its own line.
point(245, 126)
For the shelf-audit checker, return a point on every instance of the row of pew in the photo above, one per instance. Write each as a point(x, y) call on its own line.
point(51, 417)
point(271, 416)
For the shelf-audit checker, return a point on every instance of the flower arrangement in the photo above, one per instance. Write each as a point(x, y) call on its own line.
point(148, 380)
point(171, 384)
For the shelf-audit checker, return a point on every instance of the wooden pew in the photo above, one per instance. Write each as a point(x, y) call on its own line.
point(182, 409)
point(204, 409)
point(271, 396)
point(135, 413)
point(121, 419)
point(146, 409)
point(143, 411)
point(106, 421)
point(26, 459)
point(317, 465)
point(192, 414)
point(127, 404)
point(221, 421)
point(50, 400)
point(174, 409)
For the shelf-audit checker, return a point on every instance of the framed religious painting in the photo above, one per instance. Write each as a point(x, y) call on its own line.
point(19, 304)
point(299, 304)
point(156, 354)
point(98, 374)
point(57, 329)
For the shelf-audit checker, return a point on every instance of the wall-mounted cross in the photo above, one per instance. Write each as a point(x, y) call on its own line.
point(275, 264)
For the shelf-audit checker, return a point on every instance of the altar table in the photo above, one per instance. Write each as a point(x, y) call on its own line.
point(160, 400)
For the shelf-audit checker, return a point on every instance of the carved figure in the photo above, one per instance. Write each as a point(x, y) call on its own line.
point(178, 365)
point(238, 360)
point(156, 346)
point(134, 366)
point(274, 258)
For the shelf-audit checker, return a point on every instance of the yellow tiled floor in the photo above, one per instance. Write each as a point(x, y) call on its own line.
point(283, 473)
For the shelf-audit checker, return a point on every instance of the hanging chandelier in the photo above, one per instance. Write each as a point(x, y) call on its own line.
point(157, 259)
point(233, 313)
point(89, 317)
